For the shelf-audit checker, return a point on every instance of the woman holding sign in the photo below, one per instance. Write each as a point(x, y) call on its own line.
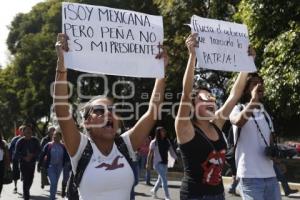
point(200, 138)
point(101, 159)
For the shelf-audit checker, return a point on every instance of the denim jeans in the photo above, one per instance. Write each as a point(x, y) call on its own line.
point(66, 173)
point(281, 177)
point(234, 184)
point(142, 165)
point(27, 171)
point(136, 179)
point(260, 188)
point(54, 173)
point(162, 170)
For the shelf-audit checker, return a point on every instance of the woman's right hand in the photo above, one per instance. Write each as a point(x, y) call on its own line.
point(254, 94)
point(61, 46)
point(191, 43)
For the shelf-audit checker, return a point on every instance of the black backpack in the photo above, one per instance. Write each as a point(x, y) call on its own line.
point(231, 146)
point(75, 179)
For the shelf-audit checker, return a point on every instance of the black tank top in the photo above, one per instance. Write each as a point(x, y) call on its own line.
point(203, 162)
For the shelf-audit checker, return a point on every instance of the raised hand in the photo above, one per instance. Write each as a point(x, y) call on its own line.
point(251, 52)
point(61, 46)
point(191, 42)
point(254, 93)
point(163, 54)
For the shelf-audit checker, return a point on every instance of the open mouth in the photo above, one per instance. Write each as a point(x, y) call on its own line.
point(109, 124)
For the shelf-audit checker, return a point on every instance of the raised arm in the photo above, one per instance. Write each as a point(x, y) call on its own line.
point(183, 125)
point(66, 122)
point(241, 118)
point(235, 94)
point(142, 128)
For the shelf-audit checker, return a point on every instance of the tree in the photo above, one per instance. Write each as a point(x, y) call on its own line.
point(274, 30)
point(9, 103)
point(281, 71)
point(31, 42)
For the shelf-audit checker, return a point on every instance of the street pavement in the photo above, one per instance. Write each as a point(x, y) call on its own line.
point(142, 191)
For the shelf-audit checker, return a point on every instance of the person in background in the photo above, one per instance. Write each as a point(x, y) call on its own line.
point(4, 160)
point(53, 158)
point(135, 165)
point(27, 152)
point(232, 164)
point(66, 174)
point(48, 138)
point(15, 162)
point(45, 140)
point(158, 152)
point(142, 159)
point(280, 170)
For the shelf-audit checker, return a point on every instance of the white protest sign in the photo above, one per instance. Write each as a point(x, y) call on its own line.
point(222, 45)
point(112, 41)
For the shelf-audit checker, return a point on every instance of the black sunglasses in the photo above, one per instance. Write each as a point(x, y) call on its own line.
point(100, 109)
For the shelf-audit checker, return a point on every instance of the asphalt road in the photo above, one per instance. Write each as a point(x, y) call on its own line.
point(142, 191)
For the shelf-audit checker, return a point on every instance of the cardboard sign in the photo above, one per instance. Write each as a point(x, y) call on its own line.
point(112, 41)
point(222, 45)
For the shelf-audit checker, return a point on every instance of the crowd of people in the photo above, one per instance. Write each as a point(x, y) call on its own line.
point(94, 158)
point(25, 152)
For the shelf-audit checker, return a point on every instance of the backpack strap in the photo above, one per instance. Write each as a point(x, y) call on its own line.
point(121, 145)
point(241, 107)
point(75, 180)
point(82, 163)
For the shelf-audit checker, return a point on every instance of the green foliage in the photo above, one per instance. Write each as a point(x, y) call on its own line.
point(9, 102)
point(273, 27)
point(281, 70)
point(266, 19)
point(274, 30)
point(31, 42)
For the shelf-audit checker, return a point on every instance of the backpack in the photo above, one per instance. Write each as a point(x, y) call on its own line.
point(231, 146)
point(75, 179)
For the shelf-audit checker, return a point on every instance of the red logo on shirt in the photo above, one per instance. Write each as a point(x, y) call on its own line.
point(114, 165)
point(212, 168)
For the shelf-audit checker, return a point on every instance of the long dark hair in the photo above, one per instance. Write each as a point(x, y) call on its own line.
point(158, 133)
point(159, 139)
point(162, 143)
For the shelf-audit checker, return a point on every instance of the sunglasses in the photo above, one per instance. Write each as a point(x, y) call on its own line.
point(207, 98)
point(100, 109)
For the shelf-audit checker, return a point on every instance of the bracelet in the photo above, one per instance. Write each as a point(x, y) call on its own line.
point(61, 71)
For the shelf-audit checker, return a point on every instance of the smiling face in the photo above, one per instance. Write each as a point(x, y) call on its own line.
point(205, 105)
point(101, 120)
